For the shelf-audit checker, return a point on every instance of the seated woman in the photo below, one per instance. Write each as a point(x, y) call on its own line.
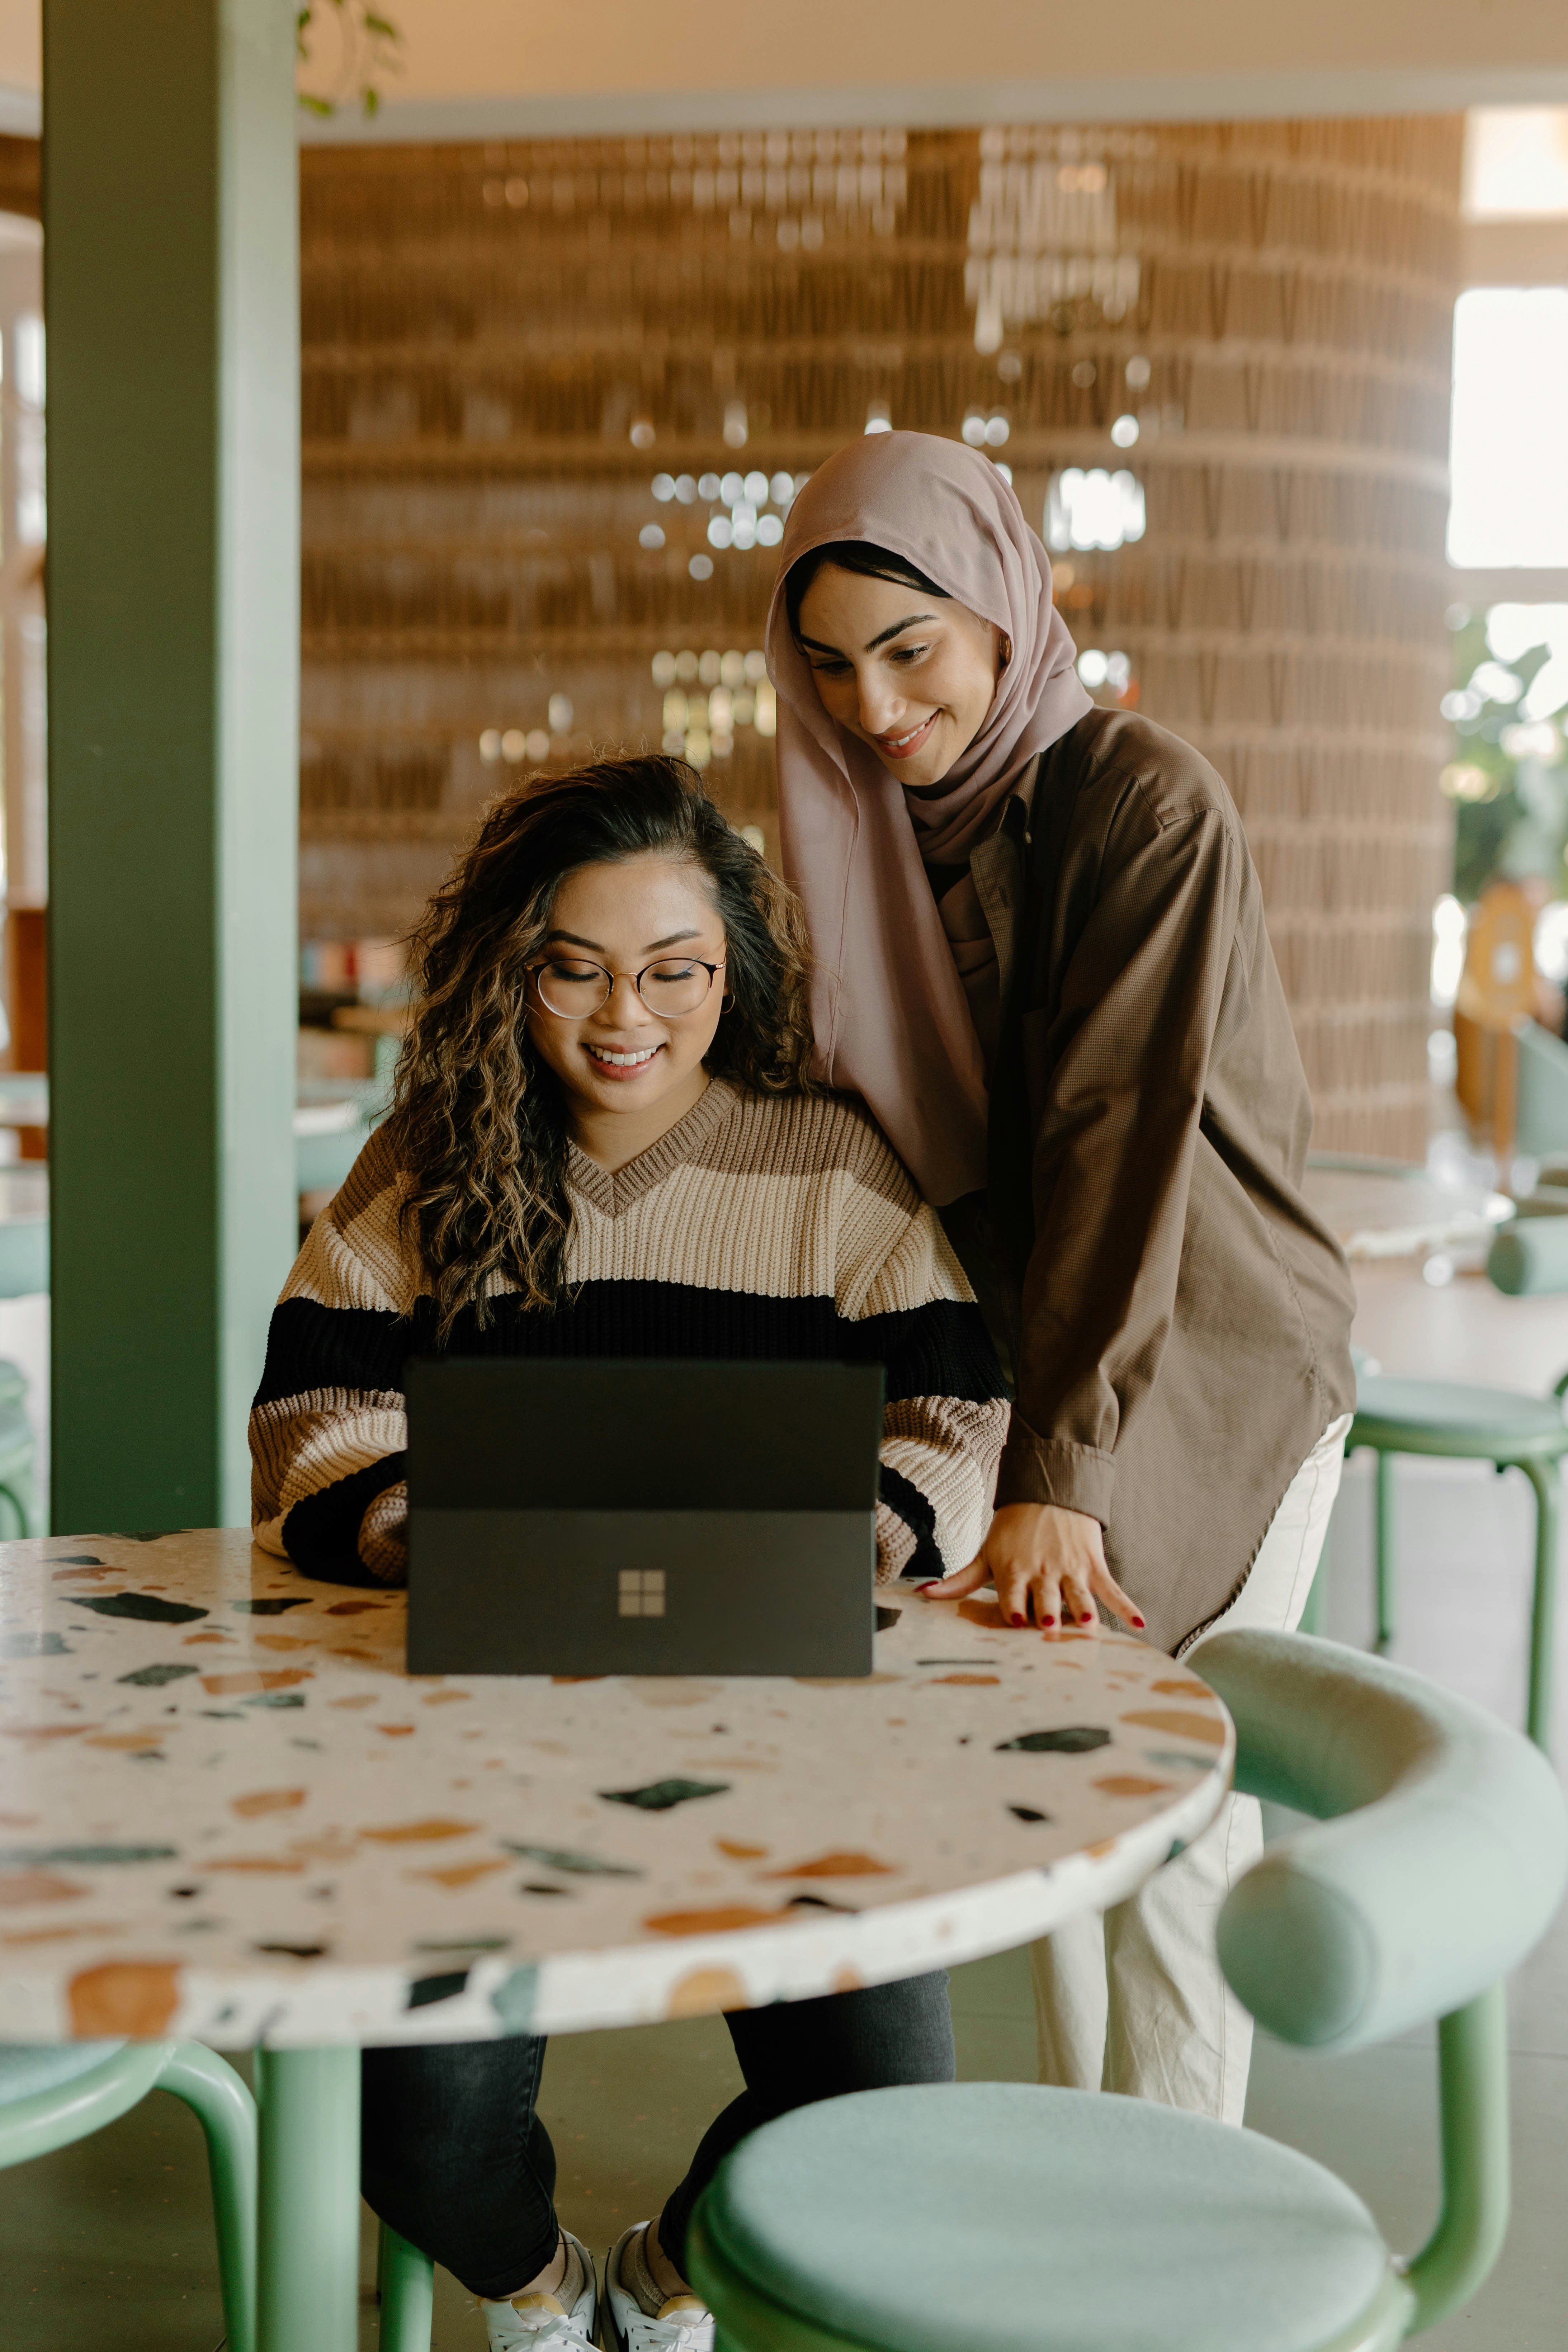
point(605, 1143)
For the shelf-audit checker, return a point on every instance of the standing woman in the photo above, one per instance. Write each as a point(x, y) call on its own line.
point(1040, 957)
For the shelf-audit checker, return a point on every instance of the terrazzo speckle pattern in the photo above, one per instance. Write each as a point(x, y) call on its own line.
point(227, 1812)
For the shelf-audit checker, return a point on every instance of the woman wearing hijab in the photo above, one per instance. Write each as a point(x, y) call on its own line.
point(1040, 957)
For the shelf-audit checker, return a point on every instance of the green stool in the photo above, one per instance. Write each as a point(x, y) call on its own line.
point(52, 2095)
point(1003, 2217)
point(1503, 1426)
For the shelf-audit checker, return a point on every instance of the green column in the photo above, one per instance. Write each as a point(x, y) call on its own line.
point(171, 302)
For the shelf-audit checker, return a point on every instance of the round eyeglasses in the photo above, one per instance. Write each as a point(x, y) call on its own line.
point(574, 991)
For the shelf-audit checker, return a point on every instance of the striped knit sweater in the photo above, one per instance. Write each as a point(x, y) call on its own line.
point(758, 1227)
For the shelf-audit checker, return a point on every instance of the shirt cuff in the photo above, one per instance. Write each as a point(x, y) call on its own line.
point(1054, 1470)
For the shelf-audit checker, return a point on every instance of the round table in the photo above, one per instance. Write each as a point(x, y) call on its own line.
point(1382, 1208)
point(229, 1815)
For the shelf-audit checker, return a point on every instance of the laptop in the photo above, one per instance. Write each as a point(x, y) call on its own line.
point(583, 1517)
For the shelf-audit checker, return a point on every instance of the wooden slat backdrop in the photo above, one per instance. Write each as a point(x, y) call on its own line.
point(485, 324)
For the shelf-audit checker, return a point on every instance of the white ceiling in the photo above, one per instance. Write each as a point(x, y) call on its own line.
point(478, 67)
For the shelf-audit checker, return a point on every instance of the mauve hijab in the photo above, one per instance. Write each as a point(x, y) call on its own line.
point(892, 1016)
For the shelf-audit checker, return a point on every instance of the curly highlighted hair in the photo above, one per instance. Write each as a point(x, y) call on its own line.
point(478, 1120)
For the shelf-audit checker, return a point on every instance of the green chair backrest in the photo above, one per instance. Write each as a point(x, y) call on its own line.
point(1540, 1117)
point(1529, 1259)
point(1437, 1857)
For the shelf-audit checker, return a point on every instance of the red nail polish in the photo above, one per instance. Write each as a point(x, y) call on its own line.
point(936, 1580)
point(1047, 1620)
point(1017, 1620)
point(1140, 1620)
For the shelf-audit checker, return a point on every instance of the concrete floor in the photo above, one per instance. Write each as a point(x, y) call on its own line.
point(106, 2244)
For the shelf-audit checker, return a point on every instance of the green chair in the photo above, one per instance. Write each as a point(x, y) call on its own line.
point(19, 1512)
point(1003, 2217)
point(54, 2095)
point(407, 2279)
point(1503, 1426)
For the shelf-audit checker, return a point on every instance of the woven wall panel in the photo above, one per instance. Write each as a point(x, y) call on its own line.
point(491, 330)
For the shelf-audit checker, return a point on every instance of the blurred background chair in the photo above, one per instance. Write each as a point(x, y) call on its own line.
point(20, 1513)
point(51, 2096)
point(1011, 2218)
point(406, 2282)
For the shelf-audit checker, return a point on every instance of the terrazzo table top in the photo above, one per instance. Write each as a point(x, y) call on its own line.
point(227, 1813)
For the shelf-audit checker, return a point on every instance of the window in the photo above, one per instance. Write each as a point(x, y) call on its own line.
point(1509, 450)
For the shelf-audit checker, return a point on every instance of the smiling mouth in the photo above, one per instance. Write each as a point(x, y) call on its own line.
point(611, 1061)
point(900, 747)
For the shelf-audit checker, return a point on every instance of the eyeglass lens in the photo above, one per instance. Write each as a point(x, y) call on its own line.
point(576, 991)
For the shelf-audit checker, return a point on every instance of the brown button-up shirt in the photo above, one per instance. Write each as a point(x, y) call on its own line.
point(1181, 1321)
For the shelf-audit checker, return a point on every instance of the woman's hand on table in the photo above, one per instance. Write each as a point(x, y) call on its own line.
point(1039, 1554)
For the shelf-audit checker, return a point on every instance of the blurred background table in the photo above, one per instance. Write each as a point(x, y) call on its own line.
point(331, 1123)
point(23, 1229)
point(1385, 1208)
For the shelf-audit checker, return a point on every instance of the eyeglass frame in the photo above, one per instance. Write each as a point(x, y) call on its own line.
point(701, 964)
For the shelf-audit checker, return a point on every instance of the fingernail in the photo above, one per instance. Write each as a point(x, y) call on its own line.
point(1088, 1617)
point(936, 1580)
point(1017, 1620)
point(1047, 1619)
point(1140, 1620)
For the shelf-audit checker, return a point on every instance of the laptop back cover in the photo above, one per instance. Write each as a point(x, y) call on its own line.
point(586, 1517)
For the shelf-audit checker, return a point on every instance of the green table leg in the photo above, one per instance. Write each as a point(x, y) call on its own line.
point(309, 2274)
point(1544, 1478)
point(1385, 1544)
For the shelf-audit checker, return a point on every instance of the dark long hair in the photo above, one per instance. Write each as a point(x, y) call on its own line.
point(478, 1120)
point(852, 555)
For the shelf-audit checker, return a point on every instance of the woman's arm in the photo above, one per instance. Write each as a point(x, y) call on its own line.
point(327, 1429)
point(1128, 1050)
point(1129, 1053)
point(910, 1307)
point(939, 1459)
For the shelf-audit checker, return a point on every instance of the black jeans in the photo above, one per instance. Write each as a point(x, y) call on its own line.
point(455, 2158)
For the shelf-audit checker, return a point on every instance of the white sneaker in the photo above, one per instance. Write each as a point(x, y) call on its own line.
point(684, 2324)
point(535, 2321)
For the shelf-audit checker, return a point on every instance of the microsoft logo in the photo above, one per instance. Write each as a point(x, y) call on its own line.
point(641, 1592)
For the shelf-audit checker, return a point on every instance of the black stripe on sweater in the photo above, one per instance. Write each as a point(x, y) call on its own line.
point(938, 1349)
point(914, 1508)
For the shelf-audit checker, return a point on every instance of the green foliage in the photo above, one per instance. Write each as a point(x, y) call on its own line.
point(367, 45)
point(1511, 808)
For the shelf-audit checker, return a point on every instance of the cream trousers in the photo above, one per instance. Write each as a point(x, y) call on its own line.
point(1133, 1999)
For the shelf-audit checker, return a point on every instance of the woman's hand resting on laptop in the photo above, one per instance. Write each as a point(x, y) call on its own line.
point(1039, 1553)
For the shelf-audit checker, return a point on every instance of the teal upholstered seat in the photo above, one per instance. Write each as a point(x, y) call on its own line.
point(1003, 2216)
point(1507, 1427)
point(53, 2094)
point(1480, 1418)
point(1006, 2218)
